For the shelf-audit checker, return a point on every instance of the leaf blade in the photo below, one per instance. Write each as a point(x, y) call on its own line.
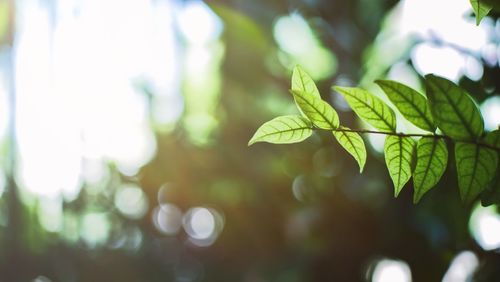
point(476, 167)
point(398, 151)
point(480, 9)
point(369, 108)
point(491, 195)
point(319, 112)
point(493, 138)
point(353, 144)
point(283, 130)
point(432, 160)
point(301, 81)
point(411, 104)
point(454, 111)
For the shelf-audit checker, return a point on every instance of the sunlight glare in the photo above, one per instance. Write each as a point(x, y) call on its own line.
point(442, 61)
point(95, 229)
point(201, 223)
point(131, 201)
point(167, 218)
point(484, 224)
point(462, 267)
point(490, 109)
point(198, 23)
point(391, 270)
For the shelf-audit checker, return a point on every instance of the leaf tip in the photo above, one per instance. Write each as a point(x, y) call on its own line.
point(251, 142)
point(396, 194)
point(416, 198)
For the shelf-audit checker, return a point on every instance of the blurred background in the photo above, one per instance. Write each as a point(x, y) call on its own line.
point(124, 129)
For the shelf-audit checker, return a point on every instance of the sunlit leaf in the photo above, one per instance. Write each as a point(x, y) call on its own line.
point(369, 108)
point(453, 109)
point(398, 157)
point(301, 81)
point(432, 159)
point(481, 9)
point(476, 167)
point(411, 104)
point(5, 13)
point(353, 144)
point(283, 130)
point(316, 110)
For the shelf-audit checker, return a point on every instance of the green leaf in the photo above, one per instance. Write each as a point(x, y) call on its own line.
point(316, 110)
point(476, 167)
point(353, 144)
point(492, 193)
point(369, 108)
point(453, 109)
point(493, 138)
point(301, 81)
point(481, 9)
point(432, 159)
point(411, 104)
point(283, 130)
point(398, 152)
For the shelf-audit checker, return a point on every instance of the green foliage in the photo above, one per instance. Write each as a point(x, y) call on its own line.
point(476, 167)
point(411, 104)
point(283, 130)
point(316, 110)
point(491, 195)
point(453, 109)
point(353, 144)
point(447, 108)
point(493, 138)
point(301, 81)
point(369, 108)
point(432, 159)
point(481, 9)
point(398, 152)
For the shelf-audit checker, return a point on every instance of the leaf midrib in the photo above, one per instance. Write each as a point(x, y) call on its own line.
point(431, 156)
point(352, 144)
point(373, 110)
point(473, 175)
point(400, 140)
point(284, 131)
point(316, 110)
point(455, 108)
point(427, 121)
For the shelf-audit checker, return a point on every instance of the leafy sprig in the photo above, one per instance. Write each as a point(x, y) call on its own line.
point(446, 107)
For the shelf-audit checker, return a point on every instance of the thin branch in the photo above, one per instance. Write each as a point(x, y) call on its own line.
point(436, 136)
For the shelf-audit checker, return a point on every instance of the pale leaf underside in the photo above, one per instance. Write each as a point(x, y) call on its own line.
point(353, 144)
point(432, 159)
point(316, 110)
point(369, 108)
point(398, 157)
point(411, 104)
point(301, 81)
point(283, 130)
